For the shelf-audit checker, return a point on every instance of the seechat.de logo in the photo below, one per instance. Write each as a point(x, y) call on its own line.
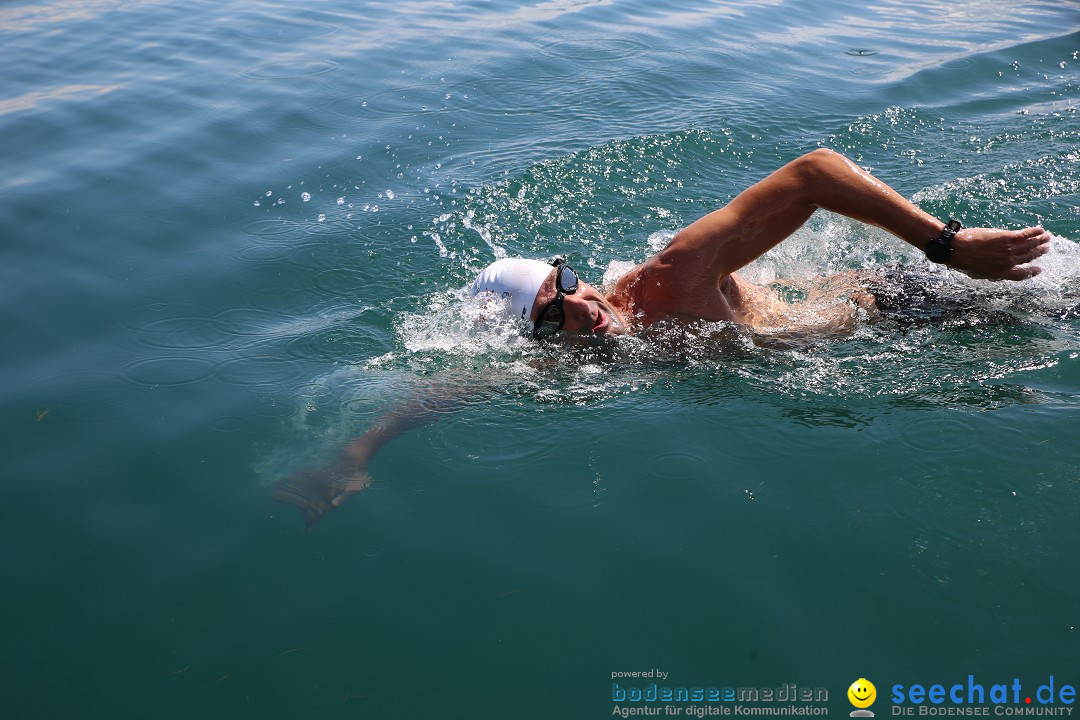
point(862, 694)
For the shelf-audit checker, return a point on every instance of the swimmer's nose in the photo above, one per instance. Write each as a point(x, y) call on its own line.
point(578, 310)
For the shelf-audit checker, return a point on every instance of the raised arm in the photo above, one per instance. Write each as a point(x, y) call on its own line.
point(765, 214)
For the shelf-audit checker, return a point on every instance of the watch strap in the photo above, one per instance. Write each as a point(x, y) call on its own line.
point(939, 249)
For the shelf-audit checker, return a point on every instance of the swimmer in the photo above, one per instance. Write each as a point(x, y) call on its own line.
point(694, 278)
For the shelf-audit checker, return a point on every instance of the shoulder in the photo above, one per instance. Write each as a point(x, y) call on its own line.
point(660, 288)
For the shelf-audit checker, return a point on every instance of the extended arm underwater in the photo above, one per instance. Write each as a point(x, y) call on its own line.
point(318, 490)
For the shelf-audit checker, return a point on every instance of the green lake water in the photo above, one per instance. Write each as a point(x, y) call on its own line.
point(235, 234)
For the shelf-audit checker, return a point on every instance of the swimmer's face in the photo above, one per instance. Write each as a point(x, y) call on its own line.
point(586, 311)
point(862, 693)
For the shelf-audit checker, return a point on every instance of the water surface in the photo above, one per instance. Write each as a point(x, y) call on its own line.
point(235, 234)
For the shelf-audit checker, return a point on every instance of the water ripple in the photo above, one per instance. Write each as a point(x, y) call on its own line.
point(175, 326)
point(289, 69)
point(594, 50)
point(169, 371)
point(679, 465)
point(260, 373)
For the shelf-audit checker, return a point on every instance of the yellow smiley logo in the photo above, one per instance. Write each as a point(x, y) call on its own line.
point(862, 693)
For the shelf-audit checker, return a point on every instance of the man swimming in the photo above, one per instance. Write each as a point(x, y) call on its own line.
point(694, 278)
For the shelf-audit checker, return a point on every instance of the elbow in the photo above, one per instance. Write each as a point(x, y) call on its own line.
point(816, 174)
point(813, 165)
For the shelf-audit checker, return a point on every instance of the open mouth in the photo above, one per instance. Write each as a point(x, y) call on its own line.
point(601, 322)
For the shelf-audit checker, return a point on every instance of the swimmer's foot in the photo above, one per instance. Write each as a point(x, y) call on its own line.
point(317, 491)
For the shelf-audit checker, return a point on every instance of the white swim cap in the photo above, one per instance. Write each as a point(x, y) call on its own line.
point(515, 279)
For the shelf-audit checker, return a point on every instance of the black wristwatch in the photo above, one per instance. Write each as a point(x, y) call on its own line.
point(939, 249)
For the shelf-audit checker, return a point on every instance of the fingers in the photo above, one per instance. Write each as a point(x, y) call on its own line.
point(1027, 250)
point(1015, 249)
point(1036, 235)
point(1032, 243)
point(1022, 273)
point(1016, 273)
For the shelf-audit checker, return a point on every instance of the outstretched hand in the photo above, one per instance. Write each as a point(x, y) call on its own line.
point(990, 254)
point(317, 491)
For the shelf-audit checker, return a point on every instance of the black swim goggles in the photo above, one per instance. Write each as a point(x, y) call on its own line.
point(551, 317)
